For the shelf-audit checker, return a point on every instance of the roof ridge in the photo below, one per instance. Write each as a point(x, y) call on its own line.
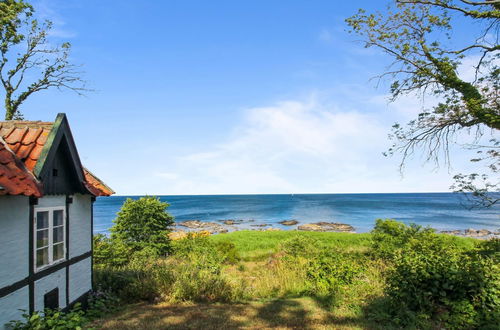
point(111, 191)
point(26, 123)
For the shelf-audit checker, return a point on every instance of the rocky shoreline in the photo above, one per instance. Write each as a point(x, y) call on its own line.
point(227, 225)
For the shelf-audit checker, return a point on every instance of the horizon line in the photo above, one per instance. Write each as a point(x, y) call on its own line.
point(257, 194)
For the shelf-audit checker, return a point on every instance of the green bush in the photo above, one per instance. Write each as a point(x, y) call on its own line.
point(51, 320)
point(196, 266)
point(228, 251)
point(143, 223)
point(438, 281)
point(114, 280)
point(330, 270)
point(300, 246)
point(390, 235)
point(101, 304)
point(196, 280)
point(110, 253)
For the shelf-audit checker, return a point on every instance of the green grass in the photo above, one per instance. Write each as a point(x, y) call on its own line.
point(258, 245)
point(276, 294)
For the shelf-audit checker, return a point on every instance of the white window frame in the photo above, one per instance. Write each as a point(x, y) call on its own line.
point(50, 210)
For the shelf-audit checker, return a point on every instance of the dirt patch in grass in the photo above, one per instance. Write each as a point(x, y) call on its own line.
point(296, 313)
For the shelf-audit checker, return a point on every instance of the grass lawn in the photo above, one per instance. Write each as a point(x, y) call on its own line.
point(259, 245)
point(276, 294)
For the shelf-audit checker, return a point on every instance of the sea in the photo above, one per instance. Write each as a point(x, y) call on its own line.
point(442, 211)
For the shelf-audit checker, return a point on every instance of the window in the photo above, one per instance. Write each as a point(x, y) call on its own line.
point(50, 237)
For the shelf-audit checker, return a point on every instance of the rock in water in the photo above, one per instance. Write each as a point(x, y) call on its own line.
point(212, 227)
point(327, 226)
point(477, 233)
point(310, 227)
point(288, 222)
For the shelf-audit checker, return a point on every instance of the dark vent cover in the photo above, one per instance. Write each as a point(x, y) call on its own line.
point(51, 299)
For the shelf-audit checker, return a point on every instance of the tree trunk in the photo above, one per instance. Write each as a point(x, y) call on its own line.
point(10, 111)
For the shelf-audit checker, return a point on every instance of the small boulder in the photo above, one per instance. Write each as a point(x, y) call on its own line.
point(288, 222)
point(327, 226)
point(310, 227)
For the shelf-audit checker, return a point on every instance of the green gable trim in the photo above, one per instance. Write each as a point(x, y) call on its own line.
point(48, 144)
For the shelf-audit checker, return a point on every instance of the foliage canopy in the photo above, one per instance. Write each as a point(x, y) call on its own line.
point(143, 223)
point(421, 38)
point(29, 63)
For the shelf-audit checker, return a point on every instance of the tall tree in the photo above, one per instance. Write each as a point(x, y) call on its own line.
point(420, 36)
point(28, 62)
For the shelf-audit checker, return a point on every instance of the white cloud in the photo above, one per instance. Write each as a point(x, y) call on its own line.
point(297, 147)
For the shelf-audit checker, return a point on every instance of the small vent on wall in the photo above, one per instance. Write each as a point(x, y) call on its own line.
point(51, 299)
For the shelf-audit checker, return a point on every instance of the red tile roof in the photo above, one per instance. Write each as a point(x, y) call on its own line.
point(95, 185)
point(26, 139)
point(15, 178)
point(21, 147)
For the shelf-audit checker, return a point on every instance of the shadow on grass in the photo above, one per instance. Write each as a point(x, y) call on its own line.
point(284, 313)
point(287, 313)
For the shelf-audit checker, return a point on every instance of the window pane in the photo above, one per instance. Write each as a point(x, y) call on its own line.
point(58, 251)
point(42, 220)
point(58, 218)
point(42, 257)
point(42, 238)
point(58, 234)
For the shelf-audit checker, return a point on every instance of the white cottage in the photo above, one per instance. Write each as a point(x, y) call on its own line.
point(46, 218)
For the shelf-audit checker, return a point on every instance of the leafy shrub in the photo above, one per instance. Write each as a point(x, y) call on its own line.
point(114, 280)
point(438, 281)
point(143, 222)
point(101, 304)
point(196, 266)
point(197, 280)
point(110, 253)
point(228, 251)
point(330, 270)
point(300, 246)
point(390, 235)
point(51, 319)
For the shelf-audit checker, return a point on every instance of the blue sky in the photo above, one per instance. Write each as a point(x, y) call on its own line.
point(216, 97)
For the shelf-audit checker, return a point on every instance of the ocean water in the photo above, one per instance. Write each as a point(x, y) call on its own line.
point(443, 211)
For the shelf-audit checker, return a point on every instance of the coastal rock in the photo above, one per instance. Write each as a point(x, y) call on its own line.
point(477, 233)
point(229, 222)
point(451, 232)
point(260, 225)
point(212, 227)
point(310, 227)
point(193, 224)
point(288, 222)
point(327, 226)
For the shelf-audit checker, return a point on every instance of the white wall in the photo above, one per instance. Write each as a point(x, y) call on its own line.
point(14, 235)
point(52, 201)
point(80, 279)
point(80, 231)
point(48, 283)
point(12, 304)
point(14, 254)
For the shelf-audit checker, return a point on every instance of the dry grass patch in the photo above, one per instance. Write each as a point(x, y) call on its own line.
point(297, 313)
